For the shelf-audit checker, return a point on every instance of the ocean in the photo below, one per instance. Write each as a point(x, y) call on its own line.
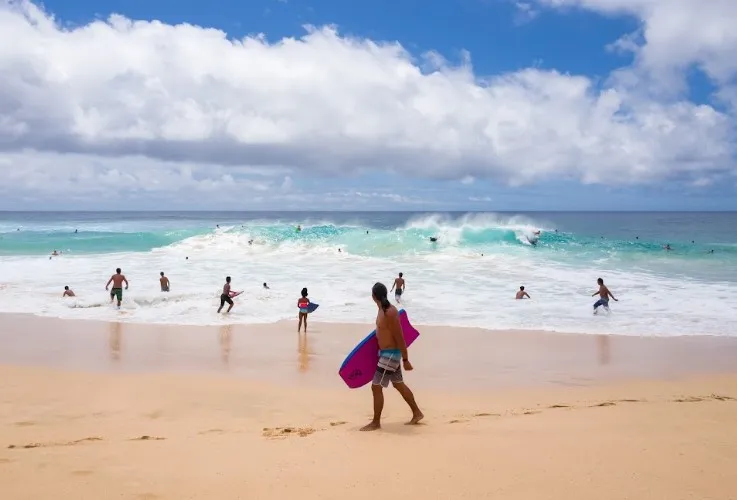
point(467, 278)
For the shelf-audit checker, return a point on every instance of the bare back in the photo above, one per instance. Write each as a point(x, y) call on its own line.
point(604, 292)
point(387, 323)
point(226, 289)
point(118, 280)
point(399, 283)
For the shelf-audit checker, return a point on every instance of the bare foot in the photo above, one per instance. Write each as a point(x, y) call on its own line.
point(372, 426)
point(416, 419)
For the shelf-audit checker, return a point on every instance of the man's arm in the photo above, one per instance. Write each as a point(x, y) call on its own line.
point(108, 282)
point(126, 282)
point(395, 284)
point(396, 329)
point(611, 295)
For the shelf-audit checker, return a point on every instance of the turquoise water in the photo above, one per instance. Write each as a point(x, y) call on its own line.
point(476, 264)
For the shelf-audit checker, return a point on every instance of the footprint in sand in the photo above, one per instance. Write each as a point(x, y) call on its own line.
point(605, 403)
point(82, 472)
point(719, 397)
point(24, 423)
point(285, 432)
point(487, 415)
point(5, 460)
point(335, 424)
point(54, 443)
point(458, 421)
point(147, 438)
point(688, 399)
point(212, 431)
point(553, 407)
point(531, 412)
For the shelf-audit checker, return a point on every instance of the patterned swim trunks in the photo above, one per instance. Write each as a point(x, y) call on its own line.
point(389, 368)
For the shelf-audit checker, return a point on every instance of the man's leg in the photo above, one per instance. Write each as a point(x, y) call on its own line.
point(231, 305)
point(222, 303)
point(410, 399)
point(378, 394)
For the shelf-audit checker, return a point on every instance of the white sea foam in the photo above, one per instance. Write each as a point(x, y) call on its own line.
point(448, 287)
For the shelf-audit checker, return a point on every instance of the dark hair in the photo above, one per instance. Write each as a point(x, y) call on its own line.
point(600, 281)
point(379, 292)
point(118, 270)
point(304, 292)
point(400, 275)
point(66, 288)
point(227, 279)
point(522, 288)
point(161, 273)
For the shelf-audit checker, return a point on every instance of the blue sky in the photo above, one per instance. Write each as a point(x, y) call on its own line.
point(503, 38)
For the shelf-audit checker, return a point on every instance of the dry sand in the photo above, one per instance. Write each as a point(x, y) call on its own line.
point(103, 429)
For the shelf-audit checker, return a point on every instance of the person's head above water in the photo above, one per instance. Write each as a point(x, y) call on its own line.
point(304, 292)
point(600, 281)
point(66, 288)
point(265, 285)
point(227, 279)
point(379, 294)
point(161, 273)
point(522, 289)
point(118, 271)
point(401, 274)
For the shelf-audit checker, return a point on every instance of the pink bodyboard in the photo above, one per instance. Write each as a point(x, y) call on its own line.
point(359, 366)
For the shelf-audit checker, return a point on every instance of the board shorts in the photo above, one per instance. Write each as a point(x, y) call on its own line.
point(303, 310)
point(116, 292)
point(164, 288)
point(398, 292)
point(389, 368)
point(601, 302)
point(225, 298)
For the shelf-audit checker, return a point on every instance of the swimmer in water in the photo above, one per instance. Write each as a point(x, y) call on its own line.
point(303, 303)
point(54, 253)
point(68, 292)
point(522, 294)
point(299, 228)
point(226, 296)
point(604, 295)
point(266, 287)
point(433, 239)
point(398, 288)
point(117, 280)
point(164, 281)
point(667, 247)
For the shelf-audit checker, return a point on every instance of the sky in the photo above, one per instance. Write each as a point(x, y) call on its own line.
point(368, 105)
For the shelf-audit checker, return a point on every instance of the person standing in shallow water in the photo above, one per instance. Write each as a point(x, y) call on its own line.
point(117, 280)
point(392, 348)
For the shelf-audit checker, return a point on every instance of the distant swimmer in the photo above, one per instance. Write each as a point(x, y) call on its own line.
point(303, 304)
point(299, 228)
point(68, 292)
point(164, 282)
point(54, 253)
point(398, 288)
point(250, 242)
point(522, 294)
point(117, 280)
point(667, 247)
point(534, 238)
point(340, 251)
point(604, 295)
point(227, 295)
point(433, 239)
point(266, 287)
point(76, 231)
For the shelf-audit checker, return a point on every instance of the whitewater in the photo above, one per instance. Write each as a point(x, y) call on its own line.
point(467, 278)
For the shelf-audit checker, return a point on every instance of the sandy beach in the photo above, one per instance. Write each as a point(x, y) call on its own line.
point(95, 410)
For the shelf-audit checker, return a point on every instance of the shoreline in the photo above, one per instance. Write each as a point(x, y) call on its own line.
point(276, 353)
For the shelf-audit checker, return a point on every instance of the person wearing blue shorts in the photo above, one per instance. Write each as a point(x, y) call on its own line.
point(604, 295)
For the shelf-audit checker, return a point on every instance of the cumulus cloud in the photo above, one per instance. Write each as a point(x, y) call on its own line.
point(125, 102)
point(676, 35)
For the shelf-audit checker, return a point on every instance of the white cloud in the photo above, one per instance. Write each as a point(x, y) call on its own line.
point(675, 35)
point(195, 107)
point(479, 198)
point(525, 12)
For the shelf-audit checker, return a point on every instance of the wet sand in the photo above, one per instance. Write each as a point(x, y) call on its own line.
point(444, 357)
point(95, 410)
